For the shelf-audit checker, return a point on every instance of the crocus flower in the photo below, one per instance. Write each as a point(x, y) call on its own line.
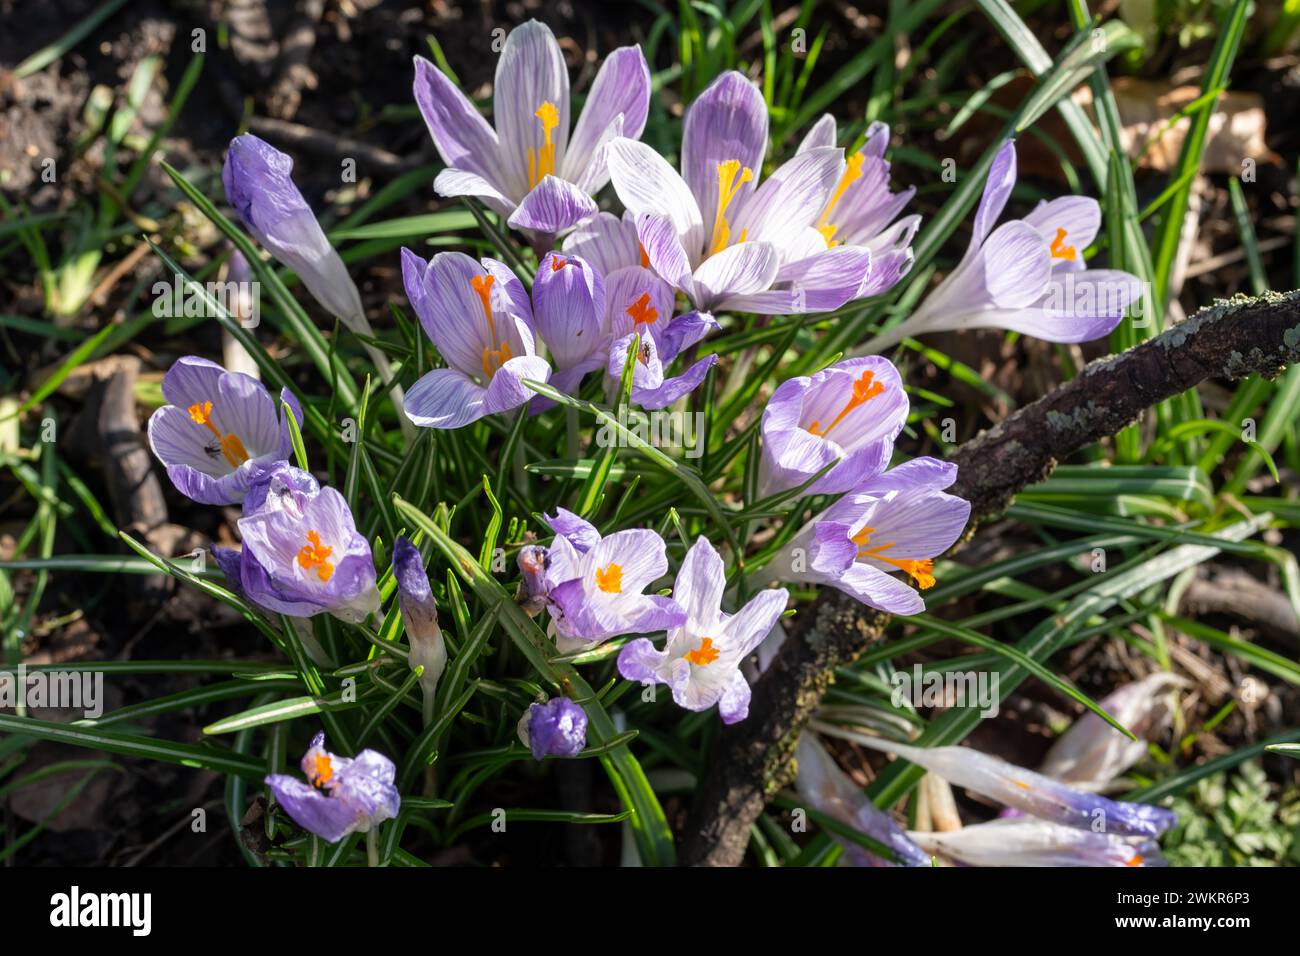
point(720, 237)
point(342, 795)
point(260, 188)
point(831, 792)
point(219, 431)
point(898, 521)
point(701, 661)
point(420, 616)
point(529, 169)
point(1092, 753)
point(1026, 841)
point(1026, 275)
point(569, 315)
point(597, 594)
point(862, 210)
point(851, 411)
point(557, 728)
point(302, 553)
point(1031, 792)
point(480, 318)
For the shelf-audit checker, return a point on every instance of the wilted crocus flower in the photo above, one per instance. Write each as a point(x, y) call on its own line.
point(260, 188)
point(529, 169)
point(1032, 792)
point(479, 317)
point(302, 553)
point(701, 661)
point(597, 594)
point(533, 595)
point(1026, 841)
point(851, 411)
point(718, 236)
point(862, 208)
point(219, 431)
point(831, 792)
point(342, 796)
point(557, 728)
point(420, 616)
point(898, 521)
point(1092, 753)
point(1026, 275)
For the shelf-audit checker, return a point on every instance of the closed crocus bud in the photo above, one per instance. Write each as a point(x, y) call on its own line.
point(1025, 841)
point(557, 728)
point(533, 562)
point(259, 185)
point(569, 314)
point(420, 616)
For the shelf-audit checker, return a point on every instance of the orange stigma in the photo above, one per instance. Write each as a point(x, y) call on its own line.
point(731, 176)
point(498, 353)
point(642, 311)
point(610, 579)
point(541, 162)
point(1059, 249)
point(645, 257)
point(705, 654)
point(316, 555)
point(864, 390)
point(852, 173)
point(323, 772)
point(1135, 861)
point(921, 571)
point(557, 263)
point(230, 445)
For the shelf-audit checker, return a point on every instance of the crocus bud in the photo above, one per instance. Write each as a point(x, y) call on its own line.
point(259, 185)
point(533, 562)
point(557, 728)
point(420, 615)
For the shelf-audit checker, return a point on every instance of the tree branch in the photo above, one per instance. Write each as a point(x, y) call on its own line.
point(752, 759)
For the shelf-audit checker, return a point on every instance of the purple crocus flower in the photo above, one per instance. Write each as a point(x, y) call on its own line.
point(831, 792)
point(569, 315)
point(1031, 792)
point(557, 728)
point(1025, 841)
point(260, 187)
point(701, 661)
point(342, 795)
point(899, 521)
point(862, 210)
point(302, 553)
point(721, 238)
point(480, 318)
point(851, 411)
point(529, 169)
point(420, 617)
point(219, 431)
point(1027, 275)
point(597, 593)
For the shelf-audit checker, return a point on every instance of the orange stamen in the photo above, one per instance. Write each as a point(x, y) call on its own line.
point(1059, 249)
point(731, 176)
point(610, 579)
point(323, 772)
point(316, 555)
point(642, 311)
point(233, 449)
point(852, 173)
point(541, 162)
point(864, 390)
point(922, 571)
point(705, 654)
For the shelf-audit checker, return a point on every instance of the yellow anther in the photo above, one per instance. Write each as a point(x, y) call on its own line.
point(1059, 249)
point(852, 173)
point(731, 176)
point(541, 162)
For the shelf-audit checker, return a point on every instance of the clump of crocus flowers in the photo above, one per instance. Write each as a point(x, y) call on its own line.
point(640, 292)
